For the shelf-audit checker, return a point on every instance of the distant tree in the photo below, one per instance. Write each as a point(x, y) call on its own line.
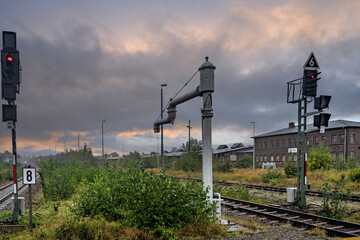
point(245, 162)
point(319, 158)
point(195, 145)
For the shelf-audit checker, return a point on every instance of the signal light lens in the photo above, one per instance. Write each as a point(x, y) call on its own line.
point(9, 58)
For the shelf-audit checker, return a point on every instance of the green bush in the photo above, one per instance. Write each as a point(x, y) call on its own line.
point(189, 162)
point(351, 163)
point(271, 175)
point(339, 163)
point(290, 170)
point(334, 203)
point(142, 200)
point(222, 164)
point(319, 158)
point(245, 162)
point(60, 176)
point(354, 175)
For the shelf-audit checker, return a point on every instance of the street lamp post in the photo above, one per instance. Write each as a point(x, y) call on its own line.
point(189, 135)
point(162, 134)
point(102, 141)
point(253, 123)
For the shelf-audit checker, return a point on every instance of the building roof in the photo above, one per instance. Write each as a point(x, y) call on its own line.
point(310, 128)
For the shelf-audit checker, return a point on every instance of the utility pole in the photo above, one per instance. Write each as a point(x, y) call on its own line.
point(189, 135)
point(102, 141)
point(162, 129)
point(78, 142)
point(253, 123)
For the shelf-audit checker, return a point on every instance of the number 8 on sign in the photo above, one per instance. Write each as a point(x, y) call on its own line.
point(29, 175)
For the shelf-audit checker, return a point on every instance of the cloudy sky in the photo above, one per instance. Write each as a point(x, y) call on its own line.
point(88, 61)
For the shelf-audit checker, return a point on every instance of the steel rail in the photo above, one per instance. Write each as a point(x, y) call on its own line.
point(353, 198)
point(10, 185)
point(331, 226)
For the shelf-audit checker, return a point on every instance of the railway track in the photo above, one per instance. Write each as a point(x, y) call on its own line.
point(353, 198)
point(7, 191)
point(332, 226)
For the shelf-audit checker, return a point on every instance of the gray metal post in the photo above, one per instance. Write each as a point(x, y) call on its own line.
point(162, 129)
point(189, 137)
point(16, 203)
point(254, 145)
point(207, 144)
point(301, 145)
point(30, 210)
point(206, 88)
point(102, 141)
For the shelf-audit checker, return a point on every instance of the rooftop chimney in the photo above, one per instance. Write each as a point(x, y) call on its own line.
point(291, 125)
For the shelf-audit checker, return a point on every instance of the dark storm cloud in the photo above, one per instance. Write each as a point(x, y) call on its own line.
point(75, 75)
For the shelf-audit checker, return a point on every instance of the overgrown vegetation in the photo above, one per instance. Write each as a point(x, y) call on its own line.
point(222, 165)
point(236, 191)
point(319, 158)
point(61, 175)
point(334, 203)
point(272, 176)
point(354, 175)
point(157, 205)
point(113, 201)
point(245, 162)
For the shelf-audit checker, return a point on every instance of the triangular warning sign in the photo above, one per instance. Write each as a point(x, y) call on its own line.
point(311, 62)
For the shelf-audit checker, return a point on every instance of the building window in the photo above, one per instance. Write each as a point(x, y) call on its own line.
point(277, 143)
point(308, 142)
point(271, 144)
point(271, 158)
point(333, 154)
point(290, 143)
point(283, 144)
point(265, 145)
point(277, 157)
point(265, 158)
point(261, 158)
point(341, 155)
point(283, 158)
point(295, 143)
point(257, 158)
point(352, 138)
point(316, 141)
point(342, 139)
point(333, 139)
point(323, 140)
point(352, 154)
point(295, 158)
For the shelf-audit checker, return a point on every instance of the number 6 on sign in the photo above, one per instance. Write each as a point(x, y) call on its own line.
point(29, 175)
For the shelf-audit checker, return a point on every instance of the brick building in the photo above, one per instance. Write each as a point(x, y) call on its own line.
point(343, 138)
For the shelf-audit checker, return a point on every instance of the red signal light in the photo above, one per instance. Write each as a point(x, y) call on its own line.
point(9, 58)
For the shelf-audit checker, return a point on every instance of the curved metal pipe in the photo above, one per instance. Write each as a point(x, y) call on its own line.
point(172, 108)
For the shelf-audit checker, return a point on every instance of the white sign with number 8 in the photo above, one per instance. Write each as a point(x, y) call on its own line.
point(29, 176)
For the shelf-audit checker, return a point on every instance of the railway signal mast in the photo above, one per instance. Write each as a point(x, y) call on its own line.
point(10, 86)
point(307, 86)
